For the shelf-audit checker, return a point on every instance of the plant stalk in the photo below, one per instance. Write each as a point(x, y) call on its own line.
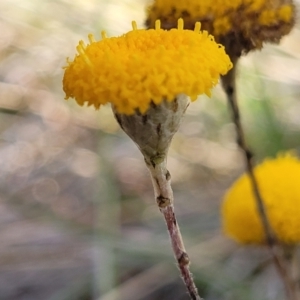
point(229, 86)
point(161, 180)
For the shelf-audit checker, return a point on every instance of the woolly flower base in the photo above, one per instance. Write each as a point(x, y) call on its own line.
point(279, 185)
point(240, 25)
point(144, 66)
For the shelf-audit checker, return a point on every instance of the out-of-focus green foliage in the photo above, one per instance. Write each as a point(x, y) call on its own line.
point(77, 215)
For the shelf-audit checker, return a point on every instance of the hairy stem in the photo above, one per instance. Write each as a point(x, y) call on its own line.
point(161, 180)
point(229, 85)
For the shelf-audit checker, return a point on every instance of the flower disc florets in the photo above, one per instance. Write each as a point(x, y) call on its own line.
point(240, 25)
point(278, 181)
point(144, 66)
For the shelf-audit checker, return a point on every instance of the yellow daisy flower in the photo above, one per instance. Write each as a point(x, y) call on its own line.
point(280, 188)
point(240, 25)
point(143, 67)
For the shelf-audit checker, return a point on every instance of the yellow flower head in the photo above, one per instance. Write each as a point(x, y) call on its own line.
point(279, 183)
point(241, 25)
point(144, 66)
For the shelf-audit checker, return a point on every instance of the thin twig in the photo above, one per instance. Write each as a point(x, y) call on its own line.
point(229, 85)
point(228, 82)
point(161, 180)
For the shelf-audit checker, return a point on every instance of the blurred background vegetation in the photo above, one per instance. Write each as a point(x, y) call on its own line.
point(77, 215)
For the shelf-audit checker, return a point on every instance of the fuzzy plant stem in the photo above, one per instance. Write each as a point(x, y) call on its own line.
point(229, 86)
point(161, 180)
point(152, 132)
